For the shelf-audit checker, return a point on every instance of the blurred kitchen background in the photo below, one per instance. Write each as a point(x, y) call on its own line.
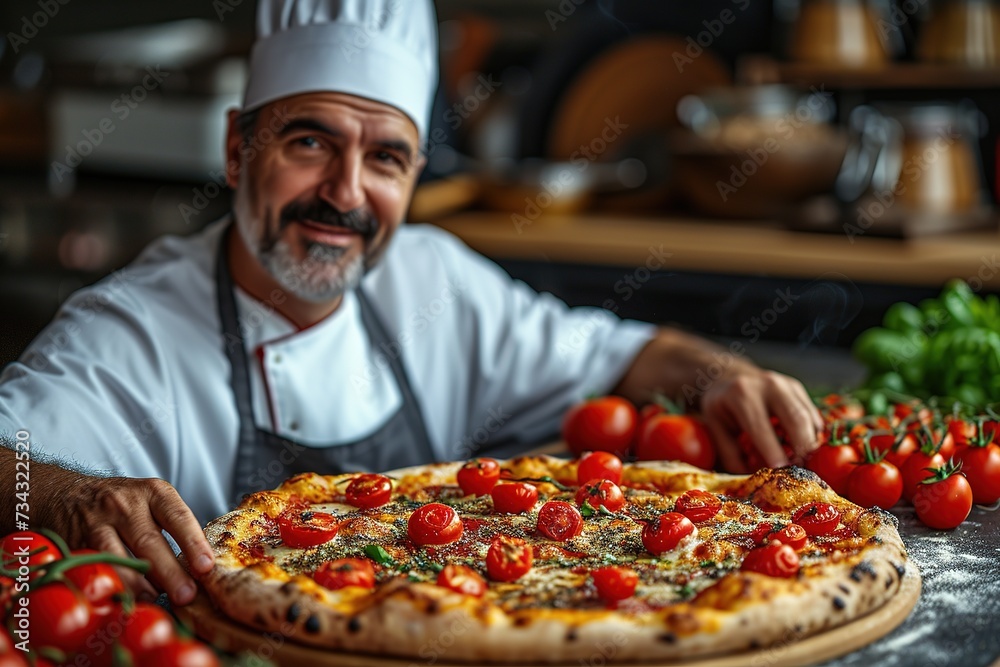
point(771, 172)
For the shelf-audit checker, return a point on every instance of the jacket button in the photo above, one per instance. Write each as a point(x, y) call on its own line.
point(294, 426)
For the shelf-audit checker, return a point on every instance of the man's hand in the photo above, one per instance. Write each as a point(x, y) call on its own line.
point(744, 401)
point(116, 514)
point(733, 394)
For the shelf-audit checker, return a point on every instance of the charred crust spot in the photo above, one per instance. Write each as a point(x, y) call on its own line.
point(294, 611)
point(839, 604)
point(667, 637)
point(863, 568)
point(844, 589)
point(522, 621)
point(900, 569)
point(312, 624)
point(258, 619)
point(889, 581)
point(802, 475)
point(287, 588)
point(571, 635)
point(433, 607)
point(354, 625)
point(754, 644)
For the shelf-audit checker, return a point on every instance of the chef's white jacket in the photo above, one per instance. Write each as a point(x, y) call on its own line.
point(130, 377)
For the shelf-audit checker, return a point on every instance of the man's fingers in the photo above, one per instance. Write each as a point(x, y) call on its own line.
point(752, 416)
point(726, 447)
point(144, 538)
point(178, 520)
point(797, 421)
point(106, 538)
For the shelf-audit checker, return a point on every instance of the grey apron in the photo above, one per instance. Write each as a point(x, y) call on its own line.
point(264, 460)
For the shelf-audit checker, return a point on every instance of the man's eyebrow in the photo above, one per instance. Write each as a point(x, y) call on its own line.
point(307, 124)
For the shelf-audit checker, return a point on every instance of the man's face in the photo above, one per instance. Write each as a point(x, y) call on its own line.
point(322, 188)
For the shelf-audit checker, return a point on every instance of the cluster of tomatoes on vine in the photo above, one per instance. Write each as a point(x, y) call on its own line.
point(940, 463)
point(64, 607)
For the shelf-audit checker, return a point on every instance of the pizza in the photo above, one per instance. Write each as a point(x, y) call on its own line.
point(540, 559)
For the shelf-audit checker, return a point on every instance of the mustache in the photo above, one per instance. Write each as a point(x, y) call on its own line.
point(358, 220)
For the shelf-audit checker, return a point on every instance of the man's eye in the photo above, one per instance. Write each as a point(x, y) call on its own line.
point(386, 156)
point(308, 142)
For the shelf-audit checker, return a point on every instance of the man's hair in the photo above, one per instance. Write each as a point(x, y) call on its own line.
point(247, 123)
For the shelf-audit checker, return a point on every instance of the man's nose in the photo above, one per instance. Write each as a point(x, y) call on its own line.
point(342, 186)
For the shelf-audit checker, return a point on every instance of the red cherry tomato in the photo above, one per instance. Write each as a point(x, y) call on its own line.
point(368, 491)
point(614, 583)
point(698, 505)
point(560, 521)
point(902, 450)
point(181, 653)
point(98, 582)
point(676, 438)
point(17, 547)
point(833, 464)
point(836, 407)
point(875, 485)
point(663, 533)
point(301, 529)
point(962, 431)
point(434, 524)
point(602, 424)
point(60, 618)
point(944, 500)
point(514, 497)
point(914, 470)
point(981, 466)
point(148, 627)
point(462, 579)
point(774, 560)
point(793, 535)
point(337, 574)
point(478, 476)
point(601, 493)
point(817, 518)
point(508, 558)
point(912, 416)
point(599, 465)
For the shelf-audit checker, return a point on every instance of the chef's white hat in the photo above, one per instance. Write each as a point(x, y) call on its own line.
point(382, 50)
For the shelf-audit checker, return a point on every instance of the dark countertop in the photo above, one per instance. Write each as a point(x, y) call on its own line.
point(957, 620)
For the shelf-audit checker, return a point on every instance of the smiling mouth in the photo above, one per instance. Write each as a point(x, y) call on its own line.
point(326, 228)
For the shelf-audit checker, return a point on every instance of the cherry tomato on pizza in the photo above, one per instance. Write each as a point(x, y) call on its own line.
point(508, 558)
point(462, 579)
point(478, 476)
point(601, 493)
point(944, 500)
point(875, 483)
point(369, 490)
point(834, 464)
point(614, 583)
point(28, 548)
point(301, 529)
point(434, 524)
point(605, 424)
point(817, 518)
point(343, 572)
point(981, 466)
point(774, 560)
point(599, 465)
point(559, 520)
point(793, 535)
point(667, 437)
point(664, 532)
point(698, 505)
point(514, 497)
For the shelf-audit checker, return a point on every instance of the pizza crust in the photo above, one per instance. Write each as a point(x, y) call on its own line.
point(740, 611)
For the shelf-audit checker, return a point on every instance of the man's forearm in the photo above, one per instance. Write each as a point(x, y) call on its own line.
point(680, 366)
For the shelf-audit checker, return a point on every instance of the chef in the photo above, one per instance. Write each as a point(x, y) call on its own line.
point(310, 330)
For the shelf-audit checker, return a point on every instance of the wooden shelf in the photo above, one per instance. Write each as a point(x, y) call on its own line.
point(764, 69)
point(726, 247)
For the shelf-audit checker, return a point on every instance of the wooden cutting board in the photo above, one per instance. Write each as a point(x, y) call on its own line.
point(219, 631)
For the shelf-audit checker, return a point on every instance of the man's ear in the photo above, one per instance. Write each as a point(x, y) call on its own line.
point(234, 139)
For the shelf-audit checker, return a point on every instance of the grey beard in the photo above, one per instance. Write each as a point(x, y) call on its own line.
point(320, 277)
